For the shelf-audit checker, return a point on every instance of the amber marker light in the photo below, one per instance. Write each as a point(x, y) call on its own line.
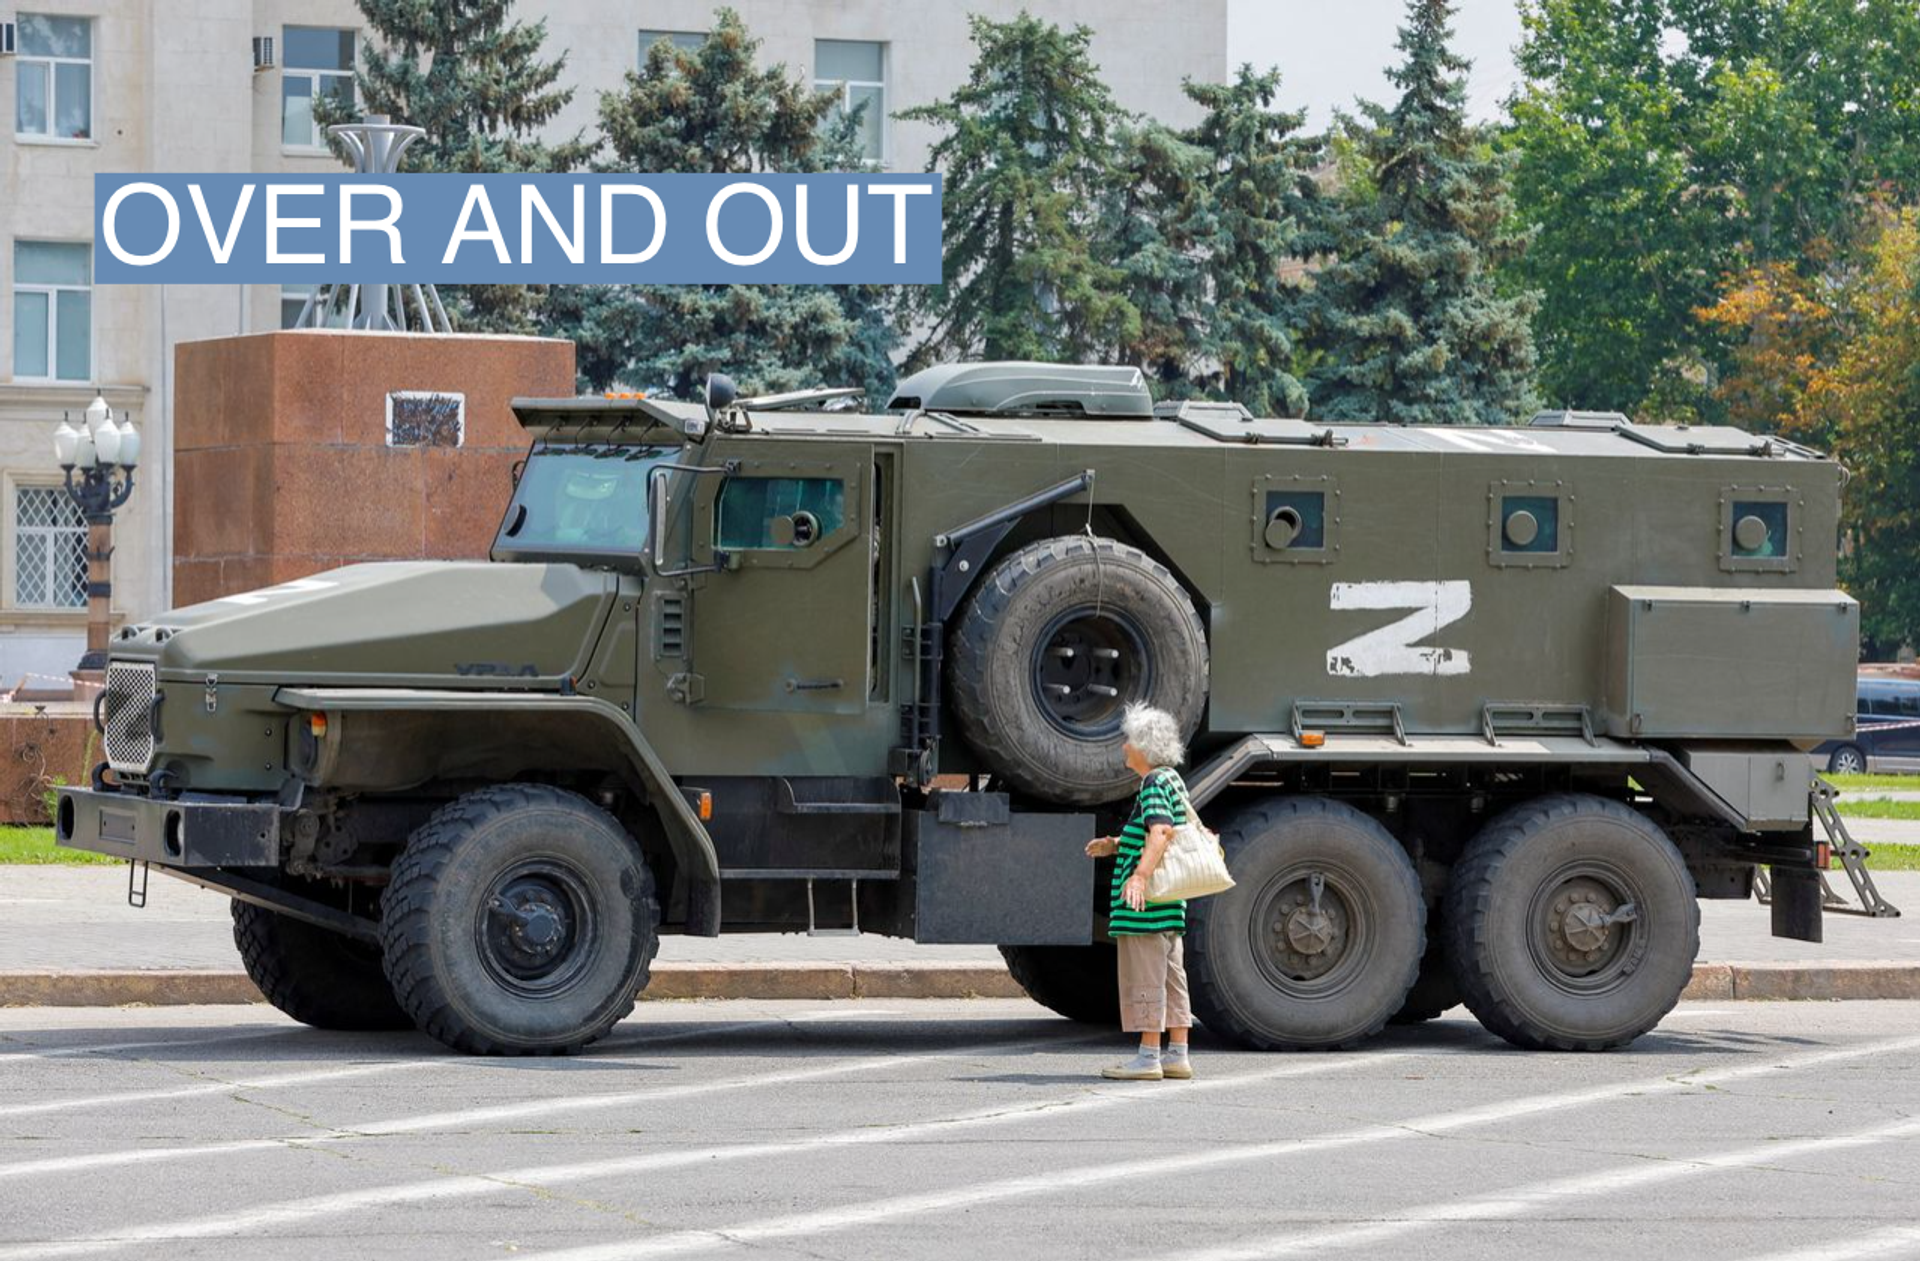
point(1823, 856)
point(317, 724)
point(1312, 739)
point(706, 806)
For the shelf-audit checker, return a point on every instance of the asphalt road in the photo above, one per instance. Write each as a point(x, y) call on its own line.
point(963, 1130)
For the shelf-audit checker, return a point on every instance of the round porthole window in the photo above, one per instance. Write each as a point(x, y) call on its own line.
point(1522, 528)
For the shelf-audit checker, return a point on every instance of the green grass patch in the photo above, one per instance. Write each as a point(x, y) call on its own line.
point(35, 845)
point(1878, 809)
point(1884, 857)
point(1908, 783)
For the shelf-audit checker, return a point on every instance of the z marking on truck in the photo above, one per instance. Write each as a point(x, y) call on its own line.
point(1391, 649)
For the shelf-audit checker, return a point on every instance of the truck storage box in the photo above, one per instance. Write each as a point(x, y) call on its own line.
point(1735, 663)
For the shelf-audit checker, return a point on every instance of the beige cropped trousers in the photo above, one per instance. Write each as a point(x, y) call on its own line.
point(1153, 983)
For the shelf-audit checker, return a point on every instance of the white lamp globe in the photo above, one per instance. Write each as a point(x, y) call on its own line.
point(106, 440)
point(64, 439)
point(129, 444)
point(98, 411)
point(83, 453)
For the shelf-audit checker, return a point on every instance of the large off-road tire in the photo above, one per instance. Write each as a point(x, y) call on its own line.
point(317, 976)
point(1529, 929)
point(520, 921)
point(1264, 970)
point(1080, 982)
point(1435, 992)
point(1055, 642)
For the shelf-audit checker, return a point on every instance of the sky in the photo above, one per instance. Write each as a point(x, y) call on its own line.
point(1329, 54)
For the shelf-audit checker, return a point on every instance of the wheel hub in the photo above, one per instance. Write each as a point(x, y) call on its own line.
point(531, 930)
point(1584, 926)
point(1310, 928)
point(1088, 668)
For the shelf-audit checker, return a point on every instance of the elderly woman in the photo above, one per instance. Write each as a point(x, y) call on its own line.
point(1153, 976)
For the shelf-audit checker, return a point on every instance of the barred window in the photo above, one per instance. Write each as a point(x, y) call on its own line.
point(49, 549)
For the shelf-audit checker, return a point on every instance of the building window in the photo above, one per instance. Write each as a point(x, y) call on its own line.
point(685, 41)
point(49, 550)
point(856, 72)
point(52, 311)
point(53, 92)
point(319, 62)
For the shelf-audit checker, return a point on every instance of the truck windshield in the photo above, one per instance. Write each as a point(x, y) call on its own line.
point(585, 502)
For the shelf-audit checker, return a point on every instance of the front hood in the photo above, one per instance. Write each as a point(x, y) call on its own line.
point(443, 622)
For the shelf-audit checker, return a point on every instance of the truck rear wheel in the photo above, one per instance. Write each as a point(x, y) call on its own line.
point(1080, 982)
point(1057, 640)
point(520, 921)
point(1572, 924)
point(317, 976)
point(1320, 938)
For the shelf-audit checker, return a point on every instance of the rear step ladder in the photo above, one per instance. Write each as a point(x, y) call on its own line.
point(1853, 859)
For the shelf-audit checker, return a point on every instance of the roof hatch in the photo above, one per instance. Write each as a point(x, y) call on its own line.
point(1027, 389)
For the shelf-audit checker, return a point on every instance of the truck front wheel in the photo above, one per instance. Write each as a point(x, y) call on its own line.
point(1320, 938)
point(520, 921)
point(317, 976)
point(1572, 924)
point(1080, 982)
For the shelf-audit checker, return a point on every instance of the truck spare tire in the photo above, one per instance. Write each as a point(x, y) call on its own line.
point(1056, 641)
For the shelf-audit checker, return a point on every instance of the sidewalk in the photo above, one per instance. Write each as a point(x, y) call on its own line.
point(68, 936)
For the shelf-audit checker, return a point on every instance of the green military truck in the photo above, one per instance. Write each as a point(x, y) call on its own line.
point(1479, 712)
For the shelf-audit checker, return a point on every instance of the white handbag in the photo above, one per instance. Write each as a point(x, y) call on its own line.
point(1194, 865)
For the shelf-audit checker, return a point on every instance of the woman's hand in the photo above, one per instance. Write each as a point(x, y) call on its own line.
point(1103, 847)
point(1134, 892)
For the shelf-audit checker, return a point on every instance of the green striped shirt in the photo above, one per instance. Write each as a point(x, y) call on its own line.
point(1162, 800)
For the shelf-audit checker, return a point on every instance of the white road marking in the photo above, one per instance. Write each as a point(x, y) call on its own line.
point(127, 1098)
point(252, 1221)
point(1895, 1241)
point(828, 1221)
point(1522, 1201)
point(60, 1052)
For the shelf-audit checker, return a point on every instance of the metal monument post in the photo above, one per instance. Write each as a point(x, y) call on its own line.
point(376, 146)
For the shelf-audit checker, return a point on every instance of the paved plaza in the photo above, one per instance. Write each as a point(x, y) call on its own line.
point(954, 1130)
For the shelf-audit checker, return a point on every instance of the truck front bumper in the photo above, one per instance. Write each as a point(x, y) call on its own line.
point(202, 832)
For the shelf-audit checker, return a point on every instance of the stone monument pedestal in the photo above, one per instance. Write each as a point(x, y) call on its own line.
point(300, 451)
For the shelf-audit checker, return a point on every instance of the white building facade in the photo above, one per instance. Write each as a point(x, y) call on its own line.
point(120, 86)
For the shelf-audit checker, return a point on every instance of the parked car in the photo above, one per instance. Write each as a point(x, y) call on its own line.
point(1887, 735)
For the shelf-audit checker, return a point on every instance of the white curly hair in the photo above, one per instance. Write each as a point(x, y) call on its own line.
point(1155, 733)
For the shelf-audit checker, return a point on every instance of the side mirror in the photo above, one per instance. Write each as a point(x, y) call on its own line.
point(721, 393)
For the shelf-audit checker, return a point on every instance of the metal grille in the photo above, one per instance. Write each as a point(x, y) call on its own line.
point(129, 716)
point(49, 549)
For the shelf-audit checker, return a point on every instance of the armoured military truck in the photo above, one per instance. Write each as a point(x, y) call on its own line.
point(1479, 712)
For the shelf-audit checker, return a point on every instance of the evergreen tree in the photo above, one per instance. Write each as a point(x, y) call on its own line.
point(1157, 217)
point(712, 109)
point(1410, 313)
point(1264, 219)
point(474, 80)
point(1029, 162)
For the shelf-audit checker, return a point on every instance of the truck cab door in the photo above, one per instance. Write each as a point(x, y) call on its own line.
point(784, 622)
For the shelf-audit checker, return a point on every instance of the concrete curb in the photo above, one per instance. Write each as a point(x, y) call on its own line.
point(1712, 982)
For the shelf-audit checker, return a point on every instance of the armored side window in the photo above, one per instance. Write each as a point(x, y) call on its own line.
point(1759, 529)
point(779, 513)
point(1296, 519)
point(1529, 524)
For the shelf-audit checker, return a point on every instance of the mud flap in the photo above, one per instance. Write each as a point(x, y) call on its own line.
point(1797, 902)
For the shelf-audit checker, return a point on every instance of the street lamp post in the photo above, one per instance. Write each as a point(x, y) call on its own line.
point(104, 455)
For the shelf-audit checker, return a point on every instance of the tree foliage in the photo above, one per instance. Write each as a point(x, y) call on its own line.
point(474, 79)
point(1665, 145)
point(1030, 162)
point(1412, 318)
point(713, 109)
